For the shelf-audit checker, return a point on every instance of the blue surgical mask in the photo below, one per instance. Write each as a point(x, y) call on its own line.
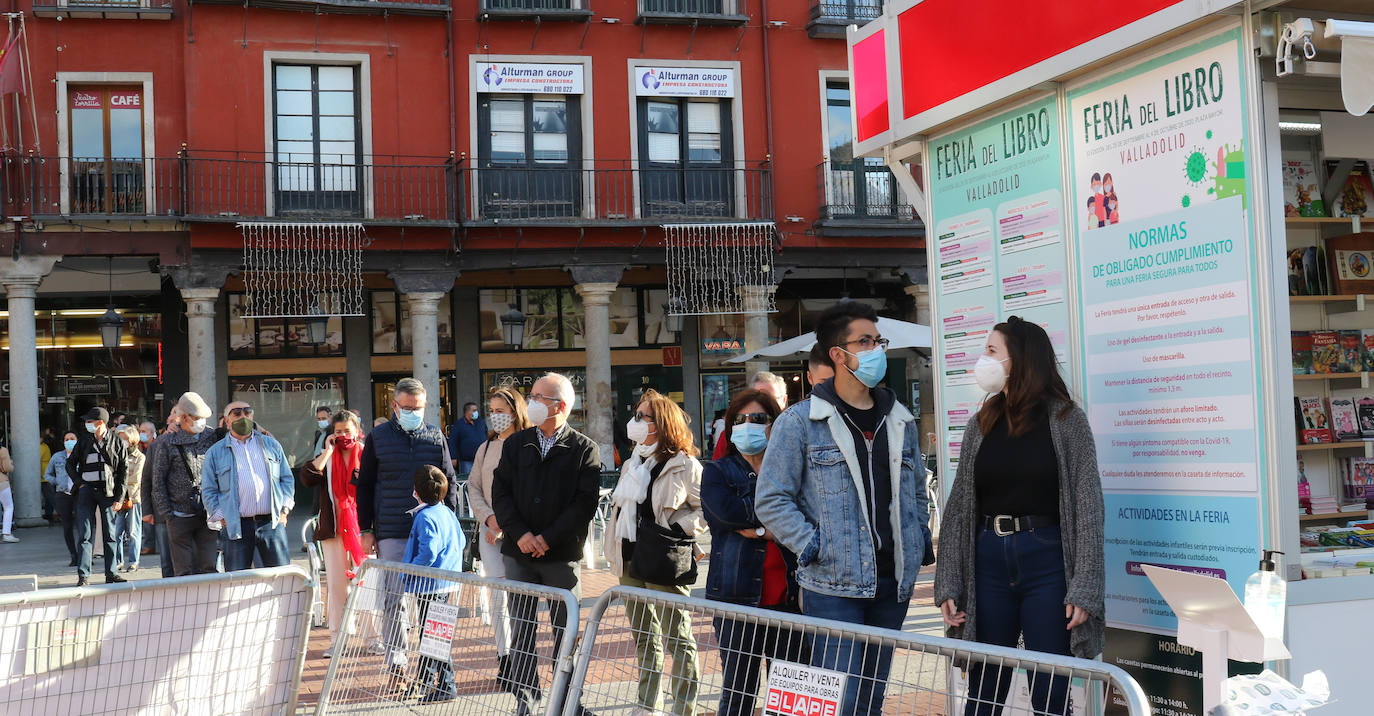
point(410, 420)
point(872, 366)
point(90, 428)
point(750, 438)
point(69, 445)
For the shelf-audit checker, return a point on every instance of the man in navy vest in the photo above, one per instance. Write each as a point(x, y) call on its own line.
point(386, 486)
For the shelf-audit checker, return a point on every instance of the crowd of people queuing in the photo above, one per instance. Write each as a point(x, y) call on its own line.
point(818, 508)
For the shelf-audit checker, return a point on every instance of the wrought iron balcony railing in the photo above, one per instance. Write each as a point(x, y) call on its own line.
point(541, 9)
point(378, 189)
point(692, 12)
point(140, 9)
point(854, 191)
point(615, 192)
point(829, 18)
point(350, 7)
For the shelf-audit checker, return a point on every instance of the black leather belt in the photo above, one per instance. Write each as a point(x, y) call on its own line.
point(1007, 525)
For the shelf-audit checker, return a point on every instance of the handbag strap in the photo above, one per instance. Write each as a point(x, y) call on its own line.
point(646, 508)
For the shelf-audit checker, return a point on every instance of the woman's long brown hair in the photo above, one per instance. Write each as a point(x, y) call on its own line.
point(671, 423)
point(1032, 383)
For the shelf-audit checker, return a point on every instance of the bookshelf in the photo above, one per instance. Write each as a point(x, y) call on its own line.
point(1366, 446)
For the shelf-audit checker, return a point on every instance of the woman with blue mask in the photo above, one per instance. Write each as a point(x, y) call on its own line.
point(747, 566)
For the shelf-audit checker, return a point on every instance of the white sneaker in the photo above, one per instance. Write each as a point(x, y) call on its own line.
point(377, 649)
point(397, 659)
point(329, 653)
point(9, 538)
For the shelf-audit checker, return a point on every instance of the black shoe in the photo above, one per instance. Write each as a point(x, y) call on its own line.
point(437, 695)
point(82, 581)
point(503, 679)
point(114, 579)
point(73, 562)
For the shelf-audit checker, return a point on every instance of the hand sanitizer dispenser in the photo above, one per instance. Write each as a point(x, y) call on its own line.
point(1266, 596)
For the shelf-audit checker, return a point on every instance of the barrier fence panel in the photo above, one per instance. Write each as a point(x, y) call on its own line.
point(229, 643)
point(423, 638)
point(649, 651)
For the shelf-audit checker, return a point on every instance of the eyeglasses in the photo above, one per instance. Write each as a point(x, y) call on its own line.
point(869, 342)
point(755, 418)
point(644, 418)
point(241, 412)
point(544, 398)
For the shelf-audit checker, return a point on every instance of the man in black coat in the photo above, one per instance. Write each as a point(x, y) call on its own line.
point(98, 467)
point(544, 492)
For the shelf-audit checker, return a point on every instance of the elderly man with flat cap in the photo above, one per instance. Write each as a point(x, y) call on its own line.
point(98, 468)
point(175, 462)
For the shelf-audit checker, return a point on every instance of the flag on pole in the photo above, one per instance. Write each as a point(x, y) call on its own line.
point(11, 67)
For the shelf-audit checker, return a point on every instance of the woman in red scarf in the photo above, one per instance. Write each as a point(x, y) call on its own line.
point(332, 473)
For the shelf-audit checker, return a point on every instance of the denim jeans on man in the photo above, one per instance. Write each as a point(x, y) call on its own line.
point(744, 648)
point(128, 527)
point(867, 666)
point(1021, 591)
point(90, 506)
point(258, 535)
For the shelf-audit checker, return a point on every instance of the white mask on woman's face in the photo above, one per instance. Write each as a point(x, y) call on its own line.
point(500, 422)
point(990, 373)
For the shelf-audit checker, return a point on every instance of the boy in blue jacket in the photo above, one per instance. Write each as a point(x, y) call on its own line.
point(436, 540)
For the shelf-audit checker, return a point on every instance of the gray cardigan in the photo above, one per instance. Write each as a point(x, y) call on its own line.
point(1080, 525)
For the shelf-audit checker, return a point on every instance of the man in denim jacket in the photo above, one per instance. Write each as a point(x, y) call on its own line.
point(248, 491)
point(842, 487)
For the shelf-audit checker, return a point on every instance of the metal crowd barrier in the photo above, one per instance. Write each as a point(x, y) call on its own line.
point(441, 650)
point(629, 655)
point(229, 643)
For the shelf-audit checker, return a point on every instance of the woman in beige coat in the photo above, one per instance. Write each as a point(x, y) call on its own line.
point(664, 470)
point(505, 416)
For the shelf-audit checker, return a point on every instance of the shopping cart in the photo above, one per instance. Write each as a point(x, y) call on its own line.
point(318, 616)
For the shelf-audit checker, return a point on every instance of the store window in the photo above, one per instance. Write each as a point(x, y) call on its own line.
point(543, 316)
point(106, 173)
point(278, 337)
point(523, 381)
point(529, 154)
point(317, 139)
point(285, 407)
point(685, 156)
point(384, 389)
point(624, 310)
point(555, 319)
point(854, 187)
point(391, 323)
point(656, 321)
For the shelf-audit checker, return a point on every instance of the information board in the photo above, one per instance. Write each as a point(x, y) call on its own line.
point(1168, 328)
point(997, 208)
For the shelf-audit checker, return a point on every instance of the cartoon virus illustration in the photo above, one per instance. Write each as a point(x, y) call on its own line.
point(1187, 201)
point(1230, 174)
point(1196, 166)
point(1209, 134)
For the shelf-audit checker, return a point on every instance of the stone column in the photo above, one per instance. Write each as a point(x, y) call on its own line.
point(424, 346)
point(467, 344)
point(423, 289)
point(20, 279)
point(200, 338)
point(756, 323)
point(595, 284)
point(358, 362)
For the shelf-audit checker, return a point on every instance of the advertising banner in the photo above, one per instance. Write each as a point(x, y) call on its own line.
point(684, 82)
point(1169, 333)
point(436, 641)
point(997, 208)
point(527, 78)
point(799, 690)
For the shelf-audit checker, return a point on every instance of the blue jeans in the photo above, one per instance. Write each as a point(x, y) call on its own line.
point(464, 467)
point(867, 666)
point(128, 527)
point(744, 648)
point(92, 505)
point(1020, 592)
point(258, 535)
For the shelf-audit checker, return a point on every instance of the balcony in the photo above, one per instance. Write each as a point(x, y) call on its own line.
point(829, 18)
point(860, 199)
point(345, 7)
point(101, 9)
point(567, 10)
point(692, 12)
point(615, 193)
point(402, 191)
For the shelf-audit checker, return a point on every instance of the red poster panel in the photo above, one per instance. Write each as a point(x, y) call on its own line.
point(126, 99)
point(951, 47)
point(870, 86)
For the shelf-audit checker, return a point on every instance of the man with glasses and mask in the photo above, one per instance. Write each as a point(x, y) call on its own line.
point(544, 492)
point(176, 461)
point(386, 494)
point(248, 491)
point(850, 449)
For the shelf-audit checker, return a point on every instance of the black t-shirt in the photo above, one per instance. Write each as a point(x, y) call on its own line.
point(865, 425)
point(1017, 476)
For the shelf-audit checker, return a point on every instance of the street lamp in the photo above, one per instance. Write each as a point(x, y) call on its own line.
point(672, 311)
point(316, 326)
point(513, 328)
point(111, 323)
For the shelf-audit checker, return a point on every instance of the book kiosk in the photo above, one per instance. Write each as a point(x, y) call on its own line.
point(1145, 180)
